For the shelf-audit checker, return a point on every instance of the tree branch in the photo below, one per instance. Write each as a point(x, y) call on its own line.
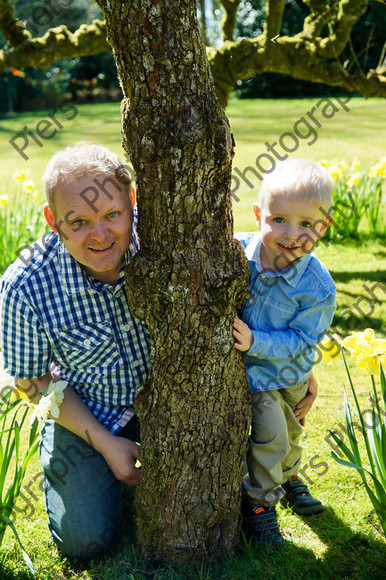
point(14, 30)
point(321, 14)
point(229, 22)
point(56, 44)
point(288, 55)
point(274, 16)
point(348, 13)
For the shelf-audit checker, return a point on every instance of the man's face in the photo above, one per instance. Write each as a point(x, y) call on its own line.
point(290, 227)
point(96, 234)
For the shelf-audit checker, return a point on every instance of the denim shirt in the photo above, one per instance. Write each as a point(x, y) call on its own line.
point(288, 312)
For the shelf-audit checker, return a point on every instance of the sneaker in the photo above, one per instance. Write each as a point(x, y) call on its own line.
point(260, 524)
point(299, 498)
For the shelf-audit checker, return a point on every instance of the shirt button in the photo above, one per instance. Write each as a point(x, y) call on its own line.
point(87, 342)
point(118, 294)
point(135, 364)
point(262, 276)
point(251, 301)
point(127, 326)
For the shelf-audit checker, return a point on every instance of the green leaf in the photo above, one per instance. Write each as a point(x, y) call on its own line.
point(26, 558)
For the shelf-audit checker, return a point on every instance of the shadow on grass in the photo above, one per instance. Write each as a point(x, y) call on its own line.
point(374, 276)
point(349, 554)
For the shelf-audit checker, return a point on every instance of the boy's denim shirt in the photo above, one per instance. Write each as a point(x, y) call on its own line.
point(288, 312)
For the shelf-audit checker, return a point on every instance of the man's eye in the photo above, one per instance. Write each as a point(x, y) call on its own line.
point(278, 220)
point(77, 223)
point(305, 224)
point(113, 214)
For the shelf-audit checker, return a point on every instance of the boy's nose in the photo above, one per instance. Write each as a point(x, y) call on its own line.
point(290, 232)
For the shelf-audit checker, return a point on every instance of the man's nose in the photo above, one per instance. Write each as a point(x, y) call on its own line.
point(99, 231)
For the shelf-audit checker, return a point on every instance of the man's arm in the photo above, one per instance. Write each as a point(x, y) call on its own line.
point(120, 453)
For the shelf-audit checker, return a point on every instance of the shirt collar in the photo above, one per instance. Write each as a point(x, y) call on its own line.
point(75, 280)
point(291, 275)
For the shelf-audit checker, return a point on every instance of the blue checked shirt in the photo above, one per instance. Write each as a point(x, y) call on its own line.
point(288, 312)
point(54, 317)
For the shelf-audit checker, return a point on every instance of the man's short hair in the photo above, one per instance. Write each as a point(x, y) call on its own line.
point(80, 160)
point(300, 178)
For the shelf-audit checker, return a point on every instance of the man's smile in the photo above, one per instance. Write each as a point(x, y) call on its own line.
point(104, 249)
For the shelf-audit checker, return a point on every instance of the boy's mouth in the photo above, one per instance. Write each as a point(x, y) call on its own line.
point(288, 247)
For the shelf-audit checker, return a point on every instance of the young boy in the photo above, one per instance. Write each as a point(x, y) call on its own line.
point(290, 307)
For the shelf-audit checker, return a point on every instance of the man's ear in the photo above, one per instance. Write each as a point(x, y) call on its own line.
point(50, 218)
point(257, 212)
point(132, 196)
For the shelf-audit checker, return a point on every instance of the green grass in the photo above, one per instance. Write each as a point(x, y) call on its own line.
point(343, 542)
point(356, 133)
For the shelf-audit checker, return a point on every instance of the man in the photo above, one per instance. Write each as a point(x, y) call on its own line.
point(64, 316)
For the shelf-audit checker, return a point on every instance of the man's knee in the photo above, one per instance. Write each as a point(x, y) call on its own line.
point(87, 544)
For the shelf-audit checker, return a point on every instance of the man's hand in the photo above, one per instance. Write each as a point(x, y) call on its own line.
point(242, 334)
point(305, 404)
point(121, 456)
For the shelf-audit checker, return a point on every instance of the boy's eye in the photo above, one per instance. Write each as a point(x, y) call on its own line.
point(278, 220)
point(305, 224)
point(77, 223)
point(113, 214)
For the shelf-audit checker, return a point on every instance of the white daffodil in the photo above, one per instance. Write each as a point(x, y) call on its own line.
point(50, 402)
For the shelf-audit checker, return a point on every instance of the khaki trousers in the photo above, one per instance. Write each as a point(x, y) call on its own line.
point(274, 451)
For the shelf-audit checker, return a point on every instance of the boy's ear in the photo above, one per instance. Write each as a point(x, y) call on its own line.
point(325, 226)
point(257, 212)
point(132, 196)
point(50, 218)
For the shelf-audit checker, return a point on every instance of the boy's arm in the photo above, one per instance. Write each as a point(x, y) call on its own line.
point(243, 337)
point(120, 453)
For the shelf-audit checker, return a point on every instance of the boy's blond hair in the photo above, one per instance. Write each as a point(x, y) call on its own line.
point(299, 178)
point(81, 160)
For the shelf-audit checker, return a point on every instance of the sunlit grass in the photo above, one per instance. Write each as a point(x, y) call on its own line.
point(343, 542)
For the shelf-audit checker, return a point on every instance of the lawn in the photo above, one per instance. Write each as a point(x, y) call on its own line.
point(344, 541)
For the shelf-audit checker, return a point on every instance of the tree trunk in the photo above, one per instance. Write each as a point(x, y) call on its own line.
point(187, 282)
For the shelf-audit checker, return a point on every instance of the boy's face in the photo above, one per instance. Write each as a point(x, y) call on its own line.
point(290, 227)
point(97, 235)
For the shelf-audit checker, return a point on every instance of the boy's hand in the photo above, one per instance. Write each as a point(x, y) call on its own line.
point(305, 404)
point(242, 334)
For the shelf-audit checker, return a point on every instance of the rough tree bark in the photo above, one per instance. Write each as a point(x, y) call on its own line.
point(313, 54)
point(187, 281)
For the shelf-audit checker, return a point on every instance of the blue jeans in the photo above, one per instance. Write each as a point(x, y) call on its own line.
point(82, 496)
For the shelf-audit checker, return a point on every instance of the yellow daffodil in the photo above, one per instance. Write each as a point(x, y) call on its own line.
point(355, 164)
point(337, 169)
point(4, 200)
point(379, 169)
point(354, 179)
point(17, 394)
point(28, 186)
point(329, 349)
point(367, 351)
point(21, 174)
